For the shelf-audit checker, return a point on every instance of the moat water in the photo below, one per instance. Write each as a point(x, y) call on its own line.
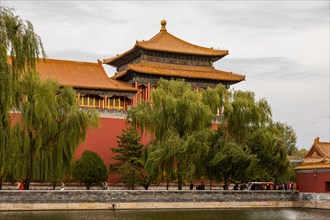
point(169, 214)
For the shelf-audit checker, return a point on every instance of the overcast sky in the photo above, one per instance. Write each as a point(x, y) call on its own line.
point(282, 47)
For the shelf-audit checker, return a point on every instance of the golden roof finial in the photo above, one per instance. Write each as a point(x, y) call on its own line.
point(163, 23)
point(316, 140)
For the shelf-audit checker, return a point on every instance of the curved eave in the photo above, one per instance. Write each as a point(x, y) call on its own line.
point(215, 56)
point(117, 59)
point(132, 89)
point(192, 74)
point(313, 166)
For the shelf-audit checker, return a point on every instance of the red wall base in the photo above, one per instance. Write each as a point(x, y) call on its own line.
point(101, 139)
point(312, 181)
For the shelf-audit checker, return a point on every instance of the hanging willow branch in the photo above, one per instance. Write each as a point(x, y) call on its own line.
point(19, 48)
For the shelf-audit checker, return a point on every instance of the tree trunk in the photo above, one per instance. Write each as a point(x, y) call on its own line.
point(210, 183)
point(167, 184)
point(54, 185)
point(179, 185)
point(179, 178)
point(30, 167)
point(1, 182)
point(26, 183)
point(131, 181)
point(226, 182)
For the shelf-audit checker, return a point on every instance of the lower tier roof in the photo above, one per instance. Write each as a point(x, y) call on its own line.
point(182, 71)
point(79, 75)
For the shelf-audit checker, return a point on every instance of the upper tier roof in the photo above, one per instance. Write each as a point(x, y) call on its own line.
point(79, 75)
point(173, 70)
point(166, 42)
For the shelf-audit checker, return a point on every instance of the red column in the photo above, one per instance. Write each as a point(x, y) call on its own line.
point(148, 91)
point(136, 94)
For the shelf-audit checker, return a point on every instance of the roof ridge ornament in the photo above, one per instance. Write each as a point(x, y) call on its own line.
point(163, 23)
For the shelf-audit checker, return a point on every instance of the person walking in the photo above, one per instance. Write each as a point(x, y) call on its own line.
point(18, 185)
point(62, 186)
point(191, 186)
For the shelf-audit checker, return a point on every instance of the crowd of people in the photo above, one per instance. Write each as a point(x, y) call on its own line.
point(201, 186)
point(266, 186)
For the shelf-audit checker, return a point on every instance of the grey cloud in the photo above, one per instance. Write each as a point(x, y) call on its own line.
point(289, 15)
point(273, 68)
point(75, 55)
point(69, 12)
point(319, 119)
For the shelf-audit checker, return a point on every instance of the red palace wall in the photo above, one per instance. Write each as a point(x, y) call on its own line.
point(312, 181)
point(101, 139)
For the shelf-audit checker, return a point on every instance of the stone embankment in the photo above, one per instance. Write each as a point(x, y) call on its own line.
point(149, 199)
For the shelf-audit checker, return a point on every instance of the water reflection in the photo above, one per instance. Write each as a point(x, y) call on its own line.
point(169, 214)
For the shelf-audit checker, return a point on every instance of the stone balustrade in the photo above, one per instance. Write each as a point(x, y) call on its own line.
point(147, 199)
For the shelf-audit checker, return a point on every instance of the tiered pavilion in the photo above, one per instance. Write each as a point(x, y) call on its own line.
point(168, 57)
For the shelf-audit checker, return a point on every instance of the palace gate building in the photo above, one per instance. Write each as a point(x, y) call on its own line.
point(137, 72)
point(313, 174)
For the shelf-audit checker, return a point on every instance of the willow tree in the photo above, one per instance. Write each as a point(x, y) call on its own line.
point(52, 127)
point(268, 145)
point(249, 146)
point(179, 123)
point(243, 115)
point(17, 38)
point(288, 135)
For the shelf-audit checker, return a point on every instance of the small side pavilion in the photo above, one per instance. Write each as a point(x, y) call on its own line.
point(313, 175)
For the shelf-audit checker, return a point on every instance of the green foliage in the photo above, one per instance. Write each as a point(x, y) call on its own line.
point(42, 146)
point(90, 169)
point(180, 124)
point(129, 156)
point(52, 127)
point(247, 146)
point(300, 153)
point(288, 135)
point(17, 38)
point(250, 146)
point(245, 115)
point(268, 146)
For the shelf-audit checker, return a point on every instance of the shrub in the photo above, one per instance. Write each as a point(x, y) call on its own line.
point(90, 169)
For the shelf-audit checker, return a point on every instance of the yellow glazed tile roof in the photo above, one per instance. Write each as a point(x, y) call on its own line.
point(313, 166)
point(318, 156)
point(320, 148)
point(166, 42)
point(324, 148)
point(184, 71)
point(79, 74)
point(316, 160)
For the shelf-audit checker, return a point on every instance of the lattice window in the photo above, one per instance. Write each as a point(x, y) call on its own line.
point(91, 101)
point(117, 102)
